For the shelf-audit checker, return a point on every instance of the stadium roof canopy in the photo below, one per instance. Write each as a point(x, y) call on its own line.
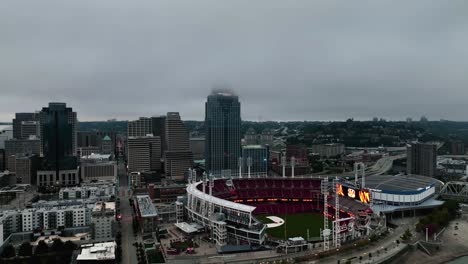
point(400, 183)
point(192, 189)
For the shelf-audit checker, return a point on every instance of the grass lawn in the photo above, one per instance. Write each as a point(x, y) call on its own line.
point(295, 225)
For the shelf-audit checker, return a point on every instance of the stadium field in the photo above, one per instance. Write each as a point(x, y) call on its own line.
point(295, 225)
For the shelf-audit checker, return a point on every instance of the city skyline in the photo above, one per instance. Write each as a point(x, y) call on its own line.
point(334, 60)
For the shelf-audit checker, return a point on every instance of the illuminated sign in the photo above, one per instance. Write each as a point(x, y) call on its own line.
point(339, 190)
point(364, 196)
point(360, 195)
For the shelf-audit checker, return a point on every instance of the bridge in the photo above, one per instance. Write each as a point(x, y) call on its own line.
point(455, 190)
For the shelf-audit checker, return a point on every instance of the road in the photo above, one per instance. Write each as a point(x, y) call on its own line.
point(129, 254)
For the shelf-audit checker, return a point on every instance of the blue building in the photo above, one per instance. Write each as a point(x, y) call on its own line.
point(223, 136)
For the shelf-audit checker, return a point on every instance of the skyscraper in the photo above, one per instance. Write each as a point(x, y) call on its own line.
point(58, 137)
point(223, 137)
point(25, 125)
point(144, 153)
point(140, 127)
point(422, 159)
point(158, 124)
point(178, 157)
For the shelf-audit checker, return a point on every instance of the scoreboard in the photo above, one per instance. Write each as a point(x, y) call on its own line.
point(360, 195)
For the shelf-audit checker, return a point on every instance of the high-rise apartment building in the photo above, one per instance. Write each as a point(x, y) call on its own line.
point(144, 153)
point(25, 125)
point(422, 159)
point(103, 220)
point(223, 137)
point(58, 137)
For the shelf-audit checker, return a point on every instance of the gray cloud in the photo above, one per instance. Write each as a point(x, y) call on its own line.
point(287, 60)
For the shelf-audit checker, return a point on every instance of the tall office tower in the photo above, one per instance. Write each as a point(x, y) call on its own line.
point(2, 160)
point(158, 124)
point(223, 137)
point(87, 139)
point(25, 125)
point(178, 157)
point(26, 167)
point(16, 147)
point(177, 135)
point(58, 137)
point(144, 153)
point(140, 127)
point(422, 159)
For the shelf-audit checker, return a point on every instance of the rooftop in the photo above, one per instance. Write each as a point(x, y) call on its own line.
point(400, 183)
point(253, 147)
point(186, 227)
point(146, 206)
point(95, 156)
point(97, 251)
point(99, 206)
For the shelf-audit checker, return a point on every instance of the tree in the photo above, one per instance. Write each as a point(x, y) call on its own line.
point(407, 235)
point(58, 245)
point(9, 251)
point(69, 246)
point(25, 250)
point(41, 248)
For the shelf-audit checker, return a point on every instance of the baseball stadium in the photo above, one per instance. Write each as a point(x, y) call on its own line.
point(267, 210)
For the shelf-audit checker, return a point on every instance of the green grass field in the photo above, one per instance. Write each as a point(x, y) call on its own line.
point(295, 225)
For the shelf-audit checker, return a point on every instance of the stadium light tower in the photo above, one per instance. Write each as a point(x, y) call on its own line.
point(359, 167)
point(293, 164)
point(283, 163)
point(204, 182)
point(336, 227)
point(249, 164)
point(326, 231)
point(240, 167)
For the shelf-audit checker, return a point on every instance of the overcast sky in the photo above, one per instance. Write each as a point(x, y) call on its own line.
point(287, 60)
